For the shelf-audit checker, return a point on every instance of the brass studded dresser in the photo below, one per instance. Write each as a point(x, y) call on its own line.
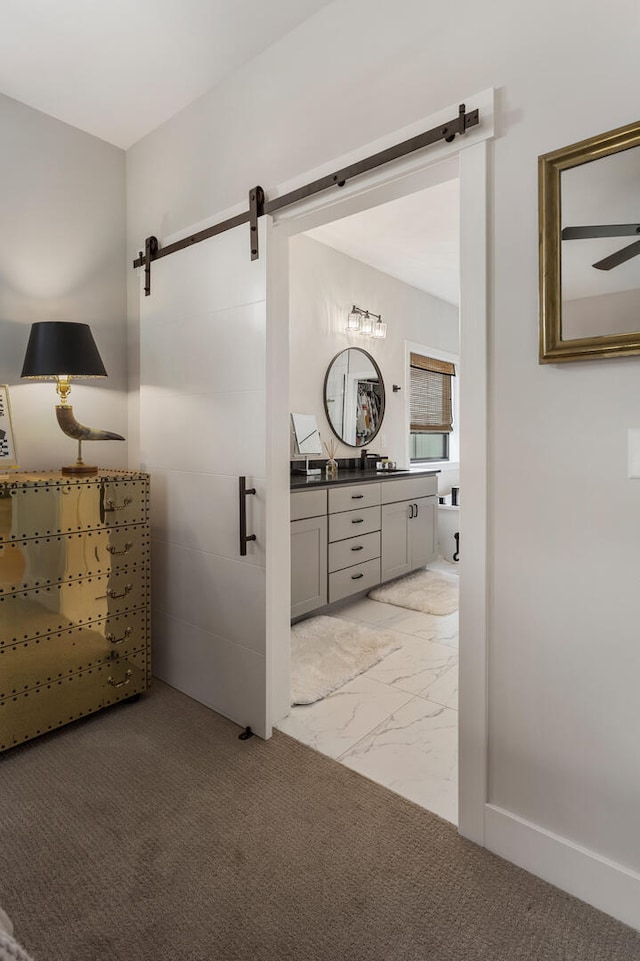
point(74, 597)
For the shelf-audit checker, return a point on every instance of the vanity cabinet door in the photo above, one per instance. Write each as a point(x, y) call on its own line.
point(396, 539)
point(423, 532)
point(308, 565)
point(408, 536)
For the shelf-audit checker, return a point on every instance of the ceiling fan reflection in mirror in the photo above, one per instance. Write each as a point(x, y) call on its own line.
point(608, 230)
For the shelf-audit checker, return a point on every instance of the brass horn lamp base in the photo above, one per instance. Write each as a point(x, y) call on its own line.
point(83, 469)
point(70, 426)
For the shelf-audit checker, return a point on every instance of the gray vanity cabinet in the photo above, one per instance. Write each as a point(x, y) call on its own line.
point(347, 538)
point(354, 539)
point(408, 526)
point(308, 551)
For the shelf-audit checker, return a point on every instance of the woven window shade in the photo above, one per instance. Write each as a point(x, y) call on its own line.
point(430, 395)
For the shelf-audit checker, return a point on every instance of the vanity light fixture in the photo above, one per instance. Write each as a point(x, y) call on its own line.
point(363, 321)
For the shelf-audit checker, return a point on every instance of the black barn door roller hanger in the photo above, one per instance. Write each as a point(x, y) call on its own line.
point(259, 206)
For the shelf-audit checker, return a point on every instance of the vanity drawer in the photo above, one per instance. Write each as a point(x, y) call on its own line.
point(354, 523)
point(308, 504)
point(355, 550)
point(409, 488)
point(354, 579)
point(352, 497)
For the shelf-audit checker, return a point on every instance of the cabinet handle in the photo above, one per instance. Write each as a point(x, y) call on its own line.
point(356, 577)
point(111, 506)
point(358, 520)
point(410, 512)
point(115, 552)
point(118, 640)
point(357, 497)
point(359, 548)
point(122, 683)
point(111, 593)
point(417, 511)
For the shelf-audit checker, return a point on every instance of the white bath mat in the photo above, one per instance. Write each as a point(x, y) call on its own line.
point(423, 591)
point(326, 652)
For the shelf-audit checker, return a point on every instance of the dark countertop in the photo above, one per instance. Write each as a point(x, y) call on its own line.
point(299, 482)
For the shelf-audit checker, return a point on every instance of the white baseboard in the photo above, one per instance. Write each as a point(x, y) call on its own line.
point(608, 886)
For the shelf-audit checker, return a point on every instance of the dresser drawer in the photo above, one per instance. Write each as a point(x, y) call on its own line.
point(49, 560)
point(39, 661)
point(44, 510)
point(354, 523)
point(355, 550)
point(308, 504)
point(45, 708)
point(353, 496)
point(409, 488)
point(354, 579)
point(59, 607)
point(123, 502)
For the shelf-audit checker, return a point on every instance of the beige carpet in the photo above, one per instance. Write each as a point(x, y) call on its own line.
point(424, 591)
point(149, 832)
point(327, 652)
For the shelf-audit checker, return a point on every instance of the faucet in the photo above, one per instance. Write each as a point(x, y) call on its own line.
point(363, 458)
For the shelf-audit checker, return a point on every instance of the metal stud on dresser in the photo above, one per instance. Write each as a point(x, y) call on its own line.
point(74, 597)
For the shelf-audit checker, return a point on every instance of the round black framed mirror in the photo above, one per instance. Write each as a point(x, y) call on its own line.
point(354, 397)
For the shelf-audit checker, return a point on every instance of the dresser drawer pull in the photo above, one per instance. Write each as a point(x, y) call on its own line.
point(122, 683)
point(125, 550)
point(127, 589)
point(360, 547)
point(356, 577)
point(357, 497)
point(118, 640)
point(358, 520)
point(111, 506)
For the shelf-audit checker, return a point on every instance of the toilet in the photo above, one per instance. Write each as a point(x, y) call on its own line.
point(448, 529)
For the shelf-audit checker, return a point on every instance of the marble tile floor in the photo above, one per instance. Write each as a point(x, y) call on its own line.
point(396, 723)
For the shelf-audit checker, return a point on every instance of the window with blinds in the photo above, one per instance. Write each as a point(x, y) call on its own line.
point(431, 409)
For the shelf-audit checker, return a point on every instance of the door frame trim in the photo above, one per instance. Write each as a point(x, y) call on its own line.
point(470, 155)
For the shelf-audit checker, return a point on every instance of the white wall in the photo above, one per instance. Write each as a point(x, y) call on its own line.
point(564, 520)
point(62, 211)
point(324, 284)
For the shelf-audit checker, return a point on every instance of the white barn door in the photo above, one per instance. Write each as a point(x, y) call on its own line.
point(202, 426)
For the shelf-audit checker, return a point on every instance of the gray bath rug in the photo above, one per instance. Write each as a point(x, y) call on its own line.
point(326, 652)
point(424, 591)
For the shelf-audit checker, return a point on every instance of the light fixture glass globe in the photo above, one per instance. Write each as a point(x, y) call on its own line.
point(366, 327)
point(353, 321)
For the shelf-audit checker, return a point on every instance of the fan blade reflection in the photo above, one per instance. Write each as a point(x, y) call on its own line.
point(620, 256)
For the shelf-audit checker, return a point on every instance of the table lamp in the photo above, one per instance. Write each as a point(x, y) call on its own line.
point(60, 350)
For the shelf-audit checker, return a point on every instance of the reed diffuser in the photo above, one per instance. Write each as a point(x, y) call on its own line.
point(331, 467)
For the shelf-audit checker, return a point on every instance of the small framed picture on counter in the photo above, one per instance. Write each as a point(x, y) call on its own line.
point(7, 445)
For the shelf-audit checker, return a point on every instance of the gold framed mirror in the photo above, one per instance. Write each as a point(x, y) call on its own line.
point(589, 221)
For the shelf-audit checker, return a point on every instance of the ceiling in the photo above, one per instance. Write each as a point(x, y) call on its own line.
point(118, 69)
point(415, 239)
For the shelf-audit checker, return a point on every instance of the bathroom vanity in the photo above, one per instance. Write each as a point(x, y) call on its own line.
point(356, 531)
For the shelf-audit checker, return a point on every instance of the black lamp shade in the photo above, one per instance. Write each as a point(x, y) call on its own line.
point(58, 347)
